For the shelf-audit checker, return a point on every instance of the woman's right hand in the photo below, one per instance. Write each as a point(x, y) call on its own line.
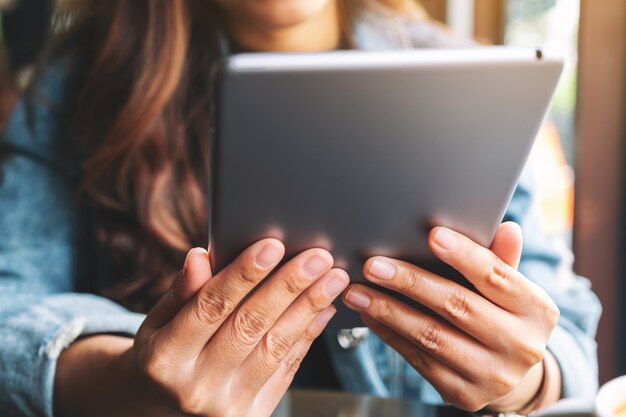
point(220, 346)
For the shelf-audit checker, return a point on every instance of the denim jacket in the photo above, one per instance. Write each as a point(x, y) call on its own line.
point(42, 310)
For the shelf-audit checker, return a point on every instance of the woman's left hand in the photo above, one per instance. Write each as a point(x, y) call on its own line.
point(486, 348)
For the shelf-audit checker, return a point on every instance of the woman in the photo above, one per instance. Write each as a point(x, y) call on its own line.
point(116, 156)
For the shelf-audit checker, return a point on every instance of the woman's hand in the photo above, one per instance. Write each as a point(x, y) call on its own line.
point(216, 345)
point(485, 349)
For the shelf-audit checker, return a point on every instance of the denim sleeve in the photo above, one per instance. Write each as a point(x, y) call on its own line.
point(549, 263)
point(40, 314)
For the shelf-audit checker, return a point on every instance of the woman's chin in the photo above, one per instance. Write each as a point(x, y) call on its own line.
point(276, 13)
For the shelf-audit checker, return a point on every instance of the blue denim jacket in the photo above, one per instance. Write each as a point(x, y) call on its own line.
point(42, 312)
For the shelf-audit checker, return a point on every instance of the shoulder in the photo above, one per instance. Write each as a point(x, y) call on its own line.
point(39, 117)
point(379, 27)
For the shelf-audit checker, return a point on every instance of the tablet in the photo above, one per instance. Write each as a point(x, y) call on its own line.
point(361, 153)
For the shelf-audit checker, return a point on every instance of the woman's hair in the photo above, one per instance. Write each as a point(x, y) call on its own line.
point(142, 120)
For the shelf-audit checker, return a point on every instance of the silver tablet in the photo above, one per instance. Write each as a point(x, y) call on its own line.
point(362, 152)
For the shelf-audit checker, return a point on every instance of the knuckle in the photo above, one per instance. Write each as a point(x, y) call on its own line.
point(556, 314)
point(430, 338)
point(212, 307)
point(526, 353)
point(156, 369)
point(383, 310)
point(461, 397)
point(457, 305)
point(501, 378)
point(532, 353)
point(291, 364)
point(247, 275)
point(470, 403)
point(315, 301)
point(418, 361)
point(310, 335)
point(504, 383)
point(411, 279)
point(473, 405)
point(497, 274)
point(249, 325)
point(551, 313)
point(276, 347)
point(191, 402)
point(293, 285)
point(172, 296)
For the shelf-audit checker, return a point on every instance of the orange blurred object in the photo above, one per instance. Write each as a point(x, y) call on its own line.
point(554, 182)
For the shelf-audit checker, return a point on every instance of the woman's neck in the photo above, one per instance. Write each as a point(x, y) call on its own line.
point(319, 33)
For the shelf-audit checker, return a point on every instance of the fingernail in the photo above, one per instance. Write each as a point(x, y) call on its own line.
point(382, 269)
point(269, 255)
point(315, 265)
point(191, 253)
point(335, 285)
point(446, 239)
point(325, 316)
point(358, 298)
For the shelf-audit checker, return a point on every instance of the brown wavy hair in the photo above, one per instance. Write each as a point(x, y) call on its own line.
point(142, 116)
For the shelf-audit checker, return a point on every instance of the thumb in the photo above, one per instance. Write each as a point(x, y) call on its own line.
point(508, 243)
point(195, 273)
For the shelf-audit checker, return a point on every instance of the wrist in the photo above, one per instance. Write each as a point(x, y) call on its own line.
point(539, 388)
point(523, 394)
point(93, 377)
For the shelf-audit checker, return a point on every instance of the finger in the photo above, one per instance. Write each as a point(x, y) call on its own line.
point(270, 395)
point(433, 336)
point(278, 341)
point(196, 272)
point(492, 277)
point(465, 309)
point(251, 321)
point(188, 332)
point(508, 243)
point(453, 388)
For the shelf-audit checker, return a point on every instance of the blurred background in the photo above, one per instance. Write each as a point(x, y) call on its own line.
point(578, 156)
